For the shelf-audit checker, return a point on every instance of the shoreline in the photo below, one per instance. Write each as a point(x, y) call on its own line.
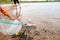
point(43, 22)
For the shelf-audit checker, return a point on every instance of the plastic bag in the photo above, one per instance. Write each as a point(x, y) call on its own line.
point(10, 28)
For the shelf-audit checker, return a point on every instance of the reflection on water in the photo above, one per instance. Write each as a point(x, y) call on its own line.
point(46, 14)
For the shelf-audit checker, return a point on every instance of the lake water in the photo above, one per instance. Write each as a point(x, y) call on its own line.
point(45, 14)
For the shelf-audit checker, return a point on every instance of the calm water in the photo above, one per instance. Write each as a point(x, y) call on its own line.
point(43, 14)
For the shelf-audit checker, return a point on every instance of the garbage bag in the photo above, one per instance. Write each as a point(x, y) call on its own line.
point(10, 28)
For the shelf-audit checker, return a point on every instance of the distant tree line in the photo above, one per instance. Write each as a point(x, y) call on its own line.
point(5, 1)
point(9, 1)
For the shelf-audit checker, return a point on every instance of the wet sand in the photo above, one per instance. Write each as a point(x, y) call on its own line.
point(46, 17)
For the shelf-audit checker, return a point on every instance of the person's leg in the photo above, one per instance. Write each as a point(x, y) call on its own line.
point(18, 14)
point(17, 1)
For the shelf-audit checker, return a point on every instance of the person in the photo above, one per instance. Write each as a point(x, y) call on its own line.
point(5, 13)
point(17, 2)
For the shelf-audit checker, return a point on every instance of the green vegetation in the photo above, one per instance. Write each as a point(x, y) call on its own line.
point(9, 1)
point(4, 1)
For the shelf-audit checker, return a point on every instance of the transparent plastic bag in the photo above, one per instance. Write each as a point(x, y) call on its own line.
point(10, 28)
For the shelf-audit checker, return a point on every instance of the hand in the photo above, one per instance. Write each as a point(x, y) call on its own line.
point(11, 17)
